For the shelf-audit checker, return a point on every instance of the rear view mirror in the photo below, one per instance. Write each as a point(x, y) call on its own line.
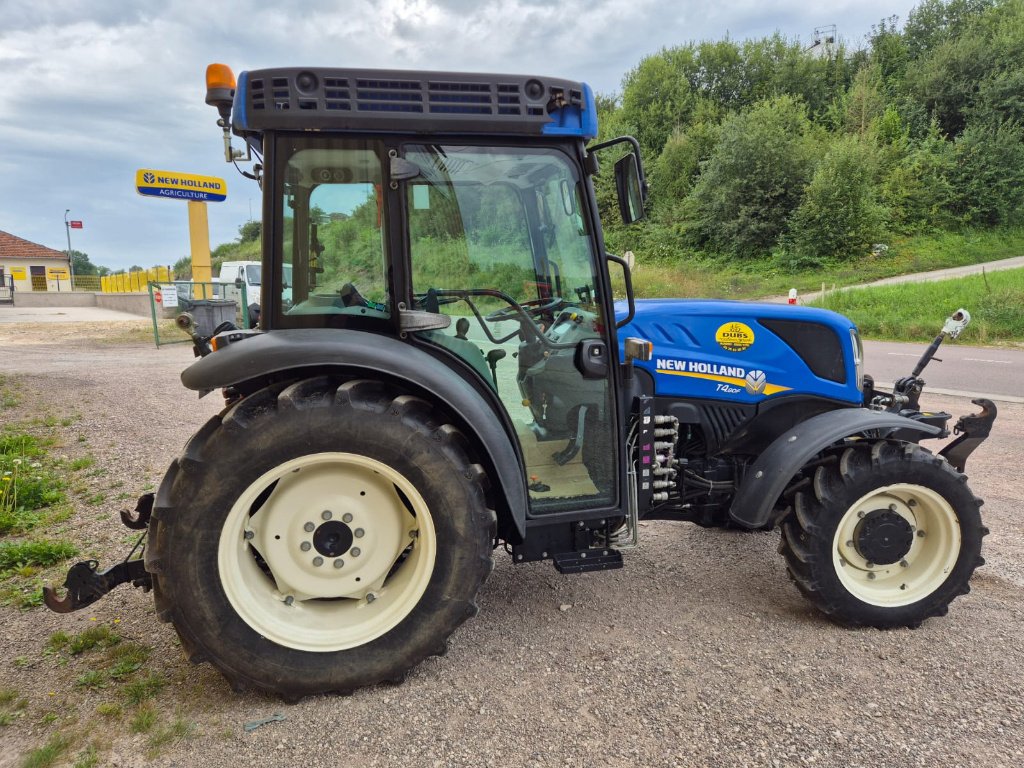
point(628, 187)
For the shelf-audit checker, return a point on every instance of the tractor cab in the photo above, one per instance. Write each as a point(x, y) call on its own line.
point(455, 213)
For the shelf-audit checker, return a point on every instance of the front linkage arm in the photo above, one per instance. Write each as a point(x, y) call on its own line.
point(85, 585)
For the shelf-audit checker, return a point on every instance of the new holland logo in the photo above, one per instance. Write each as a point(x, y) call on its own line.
point(149, 178)
point(755, 382)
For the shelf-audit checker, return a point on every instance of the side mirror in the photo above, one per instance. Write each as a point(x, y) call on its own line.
point(238, 282)
point(628, 187)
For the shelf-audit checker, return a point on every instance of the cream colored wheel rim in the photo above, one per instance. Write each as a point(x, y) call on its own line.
point(933, 552)
point(285, 567)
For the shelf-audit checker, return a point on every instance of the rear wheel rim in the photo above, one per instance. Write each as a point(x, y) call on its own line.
point(327, 552)
point(932, 554)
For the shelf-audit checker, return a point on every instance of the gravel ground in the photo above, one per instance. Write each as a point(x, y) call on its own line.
point(699, 652)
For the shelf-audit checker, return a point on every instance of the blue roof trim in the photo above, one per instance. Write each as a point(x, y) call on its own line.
point(239, 119)
point(575, 121)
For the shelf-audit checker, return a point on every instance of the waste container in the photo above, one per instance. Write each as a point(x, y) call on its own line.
point(209, 313)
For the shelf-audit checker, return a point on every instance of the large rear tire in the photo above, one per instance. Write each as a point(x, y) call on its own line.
point(320, 537)
point(887, 535)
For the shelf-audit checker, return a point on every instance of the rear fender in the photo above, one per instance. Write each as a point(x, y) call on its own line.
point(766, 479)
point(374, 356)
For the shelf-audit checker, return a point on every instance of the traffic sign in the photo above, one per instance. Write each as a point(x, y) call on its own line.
point(180, 186)
point(75, 224)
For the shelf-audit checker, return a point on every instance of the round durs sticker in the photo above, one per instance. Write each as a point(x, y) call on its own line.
point(734, 337)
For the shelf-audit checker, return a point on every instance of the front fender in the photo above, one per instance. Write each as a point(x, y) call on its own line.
point(372, 355)
point(768, 476)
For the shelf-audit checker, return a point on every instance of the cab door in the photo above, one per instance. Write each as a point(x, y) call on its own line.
point(500, 241)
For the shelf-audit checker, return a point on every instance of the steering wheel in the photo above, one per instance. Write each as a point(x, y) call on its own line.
point(532, 309)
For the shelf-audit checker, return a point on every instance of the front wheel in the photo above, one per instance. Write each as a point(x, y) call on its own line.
point(887, 535)
point(321, 537)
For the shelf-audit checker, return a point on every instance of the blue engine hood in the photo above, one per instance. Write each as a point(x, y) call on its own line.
point(743, 352)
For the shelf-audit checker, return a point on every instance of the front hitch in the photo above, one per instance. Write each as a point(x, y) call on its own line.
point(85, 584)
point(972, 431)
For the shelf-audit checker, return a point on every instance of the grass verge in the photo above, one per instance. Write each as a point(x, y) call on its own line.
point(688, 274)
point(915, 311)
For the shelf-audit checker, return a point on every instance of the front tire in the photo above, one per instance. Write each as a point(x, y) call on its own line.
point(887, 535)
point(321, 537)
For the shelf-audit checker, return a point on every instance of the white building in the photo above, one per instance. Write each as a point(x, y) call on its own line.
point(28, 266)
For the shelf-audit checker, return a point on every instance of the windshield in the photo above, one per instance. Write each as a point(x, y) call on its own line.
point(253, 271)
point(505, 223)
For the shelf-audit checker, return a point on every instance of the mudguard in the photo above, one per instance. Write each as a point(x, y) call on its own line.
point(279, 351)
point(768, 476)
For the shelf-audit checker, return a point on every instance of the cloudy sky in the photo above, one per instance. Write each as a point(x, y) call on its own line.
point(91, 90)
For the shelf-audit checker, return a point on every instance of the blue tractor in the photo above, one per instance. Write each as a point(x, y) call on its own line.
point(441, 371)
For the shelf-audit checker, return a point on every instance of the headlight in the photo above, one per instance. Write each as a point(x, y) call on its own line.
point(858, 358)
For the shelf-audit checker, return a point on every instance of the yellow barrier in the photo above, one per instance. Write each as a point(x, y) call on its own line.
point(135, 282)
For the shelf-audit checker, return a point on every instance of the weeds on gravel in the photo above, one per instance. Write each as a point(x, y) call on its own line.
point(48, 754)
point(20, 581)
point(87, 758)
point(144, 688)
point(127, 658)
point(175, 731)
point(143, 720)
point(8, 397)
point(82, 462)
point(11, 706)
point(26, 487)
point(21, 554)
point(109, 710)
point(100, 636)
point(31, 496)
point(93, 679)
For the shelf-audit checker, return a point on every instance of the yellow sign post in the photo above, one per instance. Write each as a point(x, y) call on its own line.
point(197, 191)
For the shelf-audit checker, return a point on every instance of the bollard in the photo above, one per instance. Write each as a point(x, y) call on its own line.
point(792, 296)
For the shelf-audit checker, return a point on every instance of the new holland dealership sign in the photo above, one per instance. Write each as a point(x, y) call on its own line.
point(180, 186)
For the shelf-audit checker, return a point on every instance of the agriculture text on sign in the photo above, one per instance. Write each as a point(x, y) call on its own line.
point(180, 186)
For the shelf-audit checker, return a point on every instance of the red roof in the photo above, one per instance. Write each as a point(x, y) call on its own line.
point(19, 248)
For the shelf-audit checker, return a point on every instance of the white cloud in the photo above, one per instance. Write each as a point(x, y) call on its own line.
point(92, 91)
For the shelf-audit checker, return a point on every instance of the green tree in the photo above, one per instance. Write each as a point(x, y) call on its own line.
point(81, 265)
point(840, 216)
point(918, 190)
point(183, 268)
point(678, 167)
point(755, 178)
point(933, 22)
point(988, 179)
point(250, 232)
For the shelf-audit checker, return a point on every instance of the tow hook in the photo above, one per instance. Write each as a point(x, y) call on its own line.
point(972, 431)
point(85, 584)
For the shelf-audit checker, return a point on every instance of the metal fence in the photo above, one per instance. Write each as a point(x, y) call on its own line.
point(86, 283)
point(207, 303)
point(135, 282)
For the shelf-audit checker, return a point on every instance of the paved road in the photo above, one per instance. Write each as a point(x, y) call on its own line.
point(62, 315)
point(994, 372)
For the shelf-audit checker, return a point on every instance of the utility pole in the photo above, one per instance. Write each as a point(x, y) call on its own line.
point(71, 262)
